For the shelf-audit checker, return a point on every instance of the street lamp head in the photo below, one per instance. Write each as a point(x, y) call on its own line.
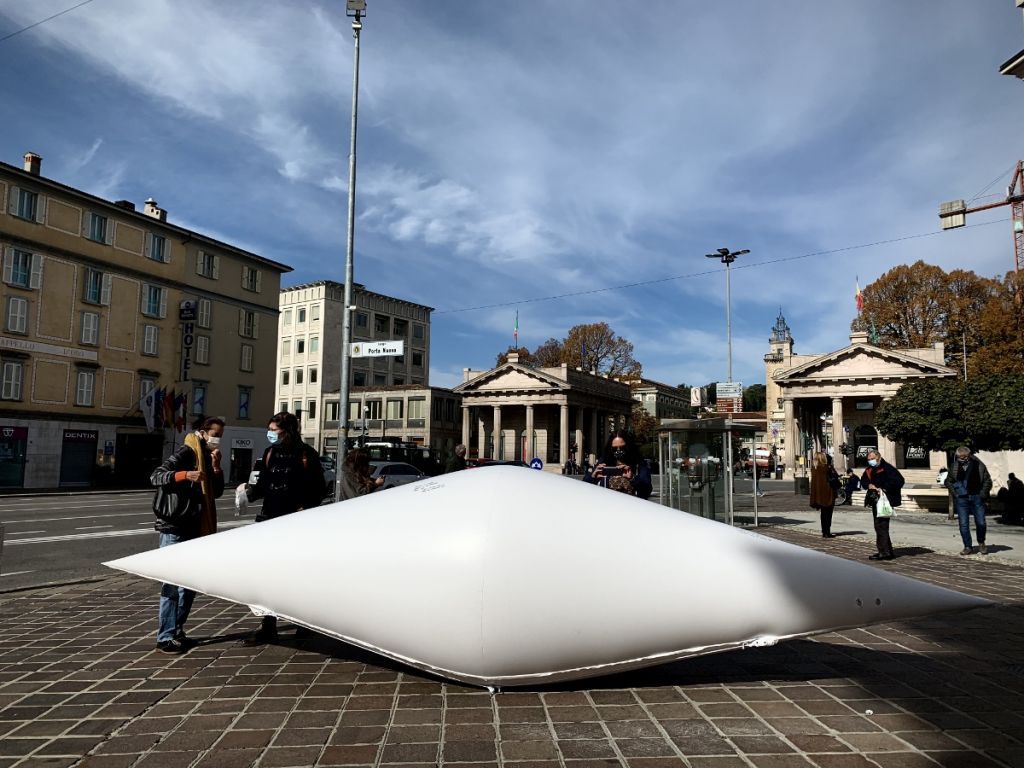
point(355, 7)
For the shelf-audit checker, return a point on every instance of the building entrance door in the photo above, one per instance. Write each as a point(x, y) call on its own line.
point(865, 438)
point(78, 457)
point(13, 441)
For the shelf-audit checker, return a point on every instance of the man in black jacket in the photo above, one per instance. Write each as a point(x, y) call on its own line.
point(190, 479)
point(881, 477)
point(969, 482)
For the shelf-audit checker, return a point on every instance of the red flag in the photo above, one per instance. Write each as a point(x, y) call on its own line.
point(860, 298)
point(169, 408)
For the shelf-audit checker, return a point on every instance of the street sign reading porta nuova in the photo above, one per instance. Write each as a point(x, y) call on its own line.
point(377, 348)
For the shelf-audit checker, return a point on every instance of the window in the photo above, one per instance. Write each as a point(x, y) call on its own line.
point(85, 387)
point(400, 360)
point(97, 287)
point(150, 340)
point(417, 409)
point(17, 314)
point(250, 279)
point(298, 375)
point(314, 345)
point(401, 328)
point(359, 378)
point(245, 364)
point(417, 359)
point(285, 375)
point(98, 226)
point(203, 350)
point(297, 408)
point(17, 268)
point(198, 398)
point(154, 301)
point(331, 411)
point(300, 346)
point(11, 380)
point(203, 314)
point(302, 315)
point(244, 398)
point(248, 324)
point(362, 320)
point(417, 331)
point(395, 409)
point(208, 265)
point(355, 412)
point(283, 406)
point(312, 375)
point(90, 328)
point(25, 204)
point(398, 381)
point(311, 409)
point(380, 324)
point(156, 247)
point(286, 349)
point(315, 312)
point(380, 380)
point(373, 409)
point(287, 317)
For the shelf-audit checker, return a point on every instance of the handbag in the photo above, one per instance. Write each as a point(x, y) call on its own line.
point(833, 480)
point(884, 508)
point(175, 505)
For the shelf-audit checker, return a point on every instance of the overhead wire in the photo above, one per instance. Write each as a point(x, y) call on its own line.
point(671, 278)
point(43, 21)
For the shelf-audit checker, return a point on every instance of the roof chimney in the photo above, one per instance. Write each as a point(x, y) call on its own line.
point(513, 357)
point(33, 162)
point(152, 209)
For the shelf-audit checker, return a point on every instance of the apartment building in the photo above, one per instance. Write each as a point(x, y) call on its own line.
point(101, 304)
point(309, 348)
point(662, 401)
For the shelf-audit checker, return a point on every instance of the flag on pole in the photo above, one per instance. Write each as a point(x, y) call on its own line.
point(860, 298)
point(158, 408)
point(179, 411)
point(146, 406)
point(168, 405)
point(515, 331)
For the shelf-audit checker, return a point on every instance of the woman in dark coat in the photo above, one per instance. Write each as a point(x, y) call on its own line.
point(621, 453)
point(881, 477)
point(823, 495)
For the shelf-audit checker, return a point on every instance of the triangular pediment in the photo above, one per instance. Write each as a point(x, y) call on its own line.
point(864, 361)
point(511, 376)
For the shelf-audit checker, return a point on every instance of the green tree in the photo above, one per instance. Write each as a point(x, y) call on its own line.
point(754, 397)
point(645, 426)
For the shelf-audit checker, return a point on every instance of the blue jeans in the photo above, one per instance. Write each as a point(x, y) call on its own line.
point(966, 506)
point(175, 601)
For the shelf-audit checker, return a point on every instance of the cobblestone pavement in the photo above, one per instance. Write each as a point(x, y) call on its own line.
point(81, 685)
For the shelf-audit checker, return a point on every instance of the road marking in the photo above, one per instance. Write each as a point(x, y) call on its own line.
point(109, 534)
point(76, 517)
point(91, 527)
point(15, 573)
point(23, 533)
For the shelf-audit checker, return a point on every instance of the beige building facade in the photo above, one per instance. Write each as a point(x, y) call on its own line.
point(818, 402)
point(102, 303)
point(516, 412)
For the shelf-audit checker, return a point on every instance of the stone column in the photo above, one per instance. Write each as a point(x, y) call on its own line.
point(497, 434)
point(465, 427)
point(578, 437)
point(481, 435)
point(563, 434)
point(530, 450)
point(886, 446)
point(790, 431)
point(595, 446)
point(838, 460)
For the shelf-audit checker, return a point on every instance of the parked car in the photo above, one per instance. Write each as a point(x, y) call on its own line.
point(765, 463)
point(470, 463)
point(395, 473)
point(330, 474)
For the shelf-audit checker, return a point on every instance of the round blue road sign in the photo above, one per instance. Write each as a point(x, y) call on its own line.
point(537, 464)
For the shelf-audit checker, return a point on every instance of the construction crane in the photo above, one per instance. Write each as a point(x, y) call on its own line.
point(954, 213)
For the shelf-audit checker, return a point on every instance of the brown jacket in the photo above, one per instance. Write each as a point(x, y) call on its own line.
point(822, 494)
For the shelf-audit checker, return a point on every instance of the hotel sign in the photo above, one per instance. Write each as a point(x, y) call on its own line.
point(20, 345)
point(187, 315)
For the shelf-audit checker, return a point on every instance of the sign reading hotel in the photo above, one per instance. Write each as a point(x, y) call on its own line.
point(377, 349)
point(187, 315)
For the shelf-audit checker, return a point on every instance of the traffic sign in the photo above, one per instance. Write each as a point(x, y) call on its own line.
point(536, 463)
point(377, 348)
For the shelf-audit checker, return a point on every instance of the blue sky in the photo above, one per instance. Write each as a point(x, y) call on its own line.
point(515, 151)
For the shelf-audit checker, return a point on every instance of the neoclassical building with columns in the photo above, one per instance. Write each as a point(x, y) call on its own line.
point(817, 402)
point(515, 411)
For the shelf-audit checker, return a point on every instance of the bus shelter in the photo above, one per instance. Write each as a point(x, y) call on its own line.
point(699, 472)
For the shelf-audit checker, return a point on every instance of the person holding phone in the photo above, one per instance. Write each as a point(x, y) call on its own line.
point(621, 458)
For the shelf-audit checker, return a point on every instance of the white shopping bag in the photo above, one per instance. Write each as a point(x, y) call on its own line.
point(241, 501)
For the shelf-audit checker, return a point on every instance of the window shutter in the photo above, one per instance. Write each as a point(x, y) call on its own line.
point(105, 288)
point(145, 295)
point(148, 249)
point(13, 195)
point(241, 322)
point(86, 221)
point(8, 264)
point(163, 302)
point(259, 274)
point(245, 271)
point(108, 233)
point(199, 262)
point(255, 325)
point(216, 267)
point(36, 280)
point(40, 209)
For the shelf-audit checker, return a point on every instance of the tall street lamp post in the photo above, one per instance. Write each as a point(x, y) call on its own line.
point(356, 9)
point(728, 257)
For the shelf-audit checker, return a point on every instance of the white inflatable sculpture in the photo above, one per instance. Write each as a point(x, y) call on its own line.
point(504, 576)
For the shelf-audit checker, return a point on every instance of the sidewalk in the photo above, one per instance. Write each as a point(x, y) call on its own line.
point(80, 685)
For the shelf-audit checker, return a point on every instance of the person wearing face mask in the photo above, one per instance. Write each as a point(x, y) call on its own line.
point(881, 477)
point(970, 484)
point(193, 478)
point(292, 479)
point(622, 457)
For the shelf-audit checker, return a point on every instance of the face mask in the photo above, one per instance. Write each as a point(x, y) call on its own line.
point(873, 462)
point(212, 441)
point(619, 454)
point(272, 437)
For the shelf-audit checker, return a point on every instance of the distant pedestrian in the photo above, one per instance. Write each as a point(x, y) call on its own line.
point(969, 482)
point(881, 477)
point(823, 491)
point(189, 480)
point(851, 484)
point(457, 461)
point(621, 456)
point(292, 479)
point(356, 479)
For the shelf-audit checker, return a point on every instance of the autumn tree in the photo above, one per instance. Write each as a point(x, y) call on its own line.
point(906, 307)
point(525, 356)
point(1000, 328)
point(549, 354)
point(645, 426)
point(592, 346)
